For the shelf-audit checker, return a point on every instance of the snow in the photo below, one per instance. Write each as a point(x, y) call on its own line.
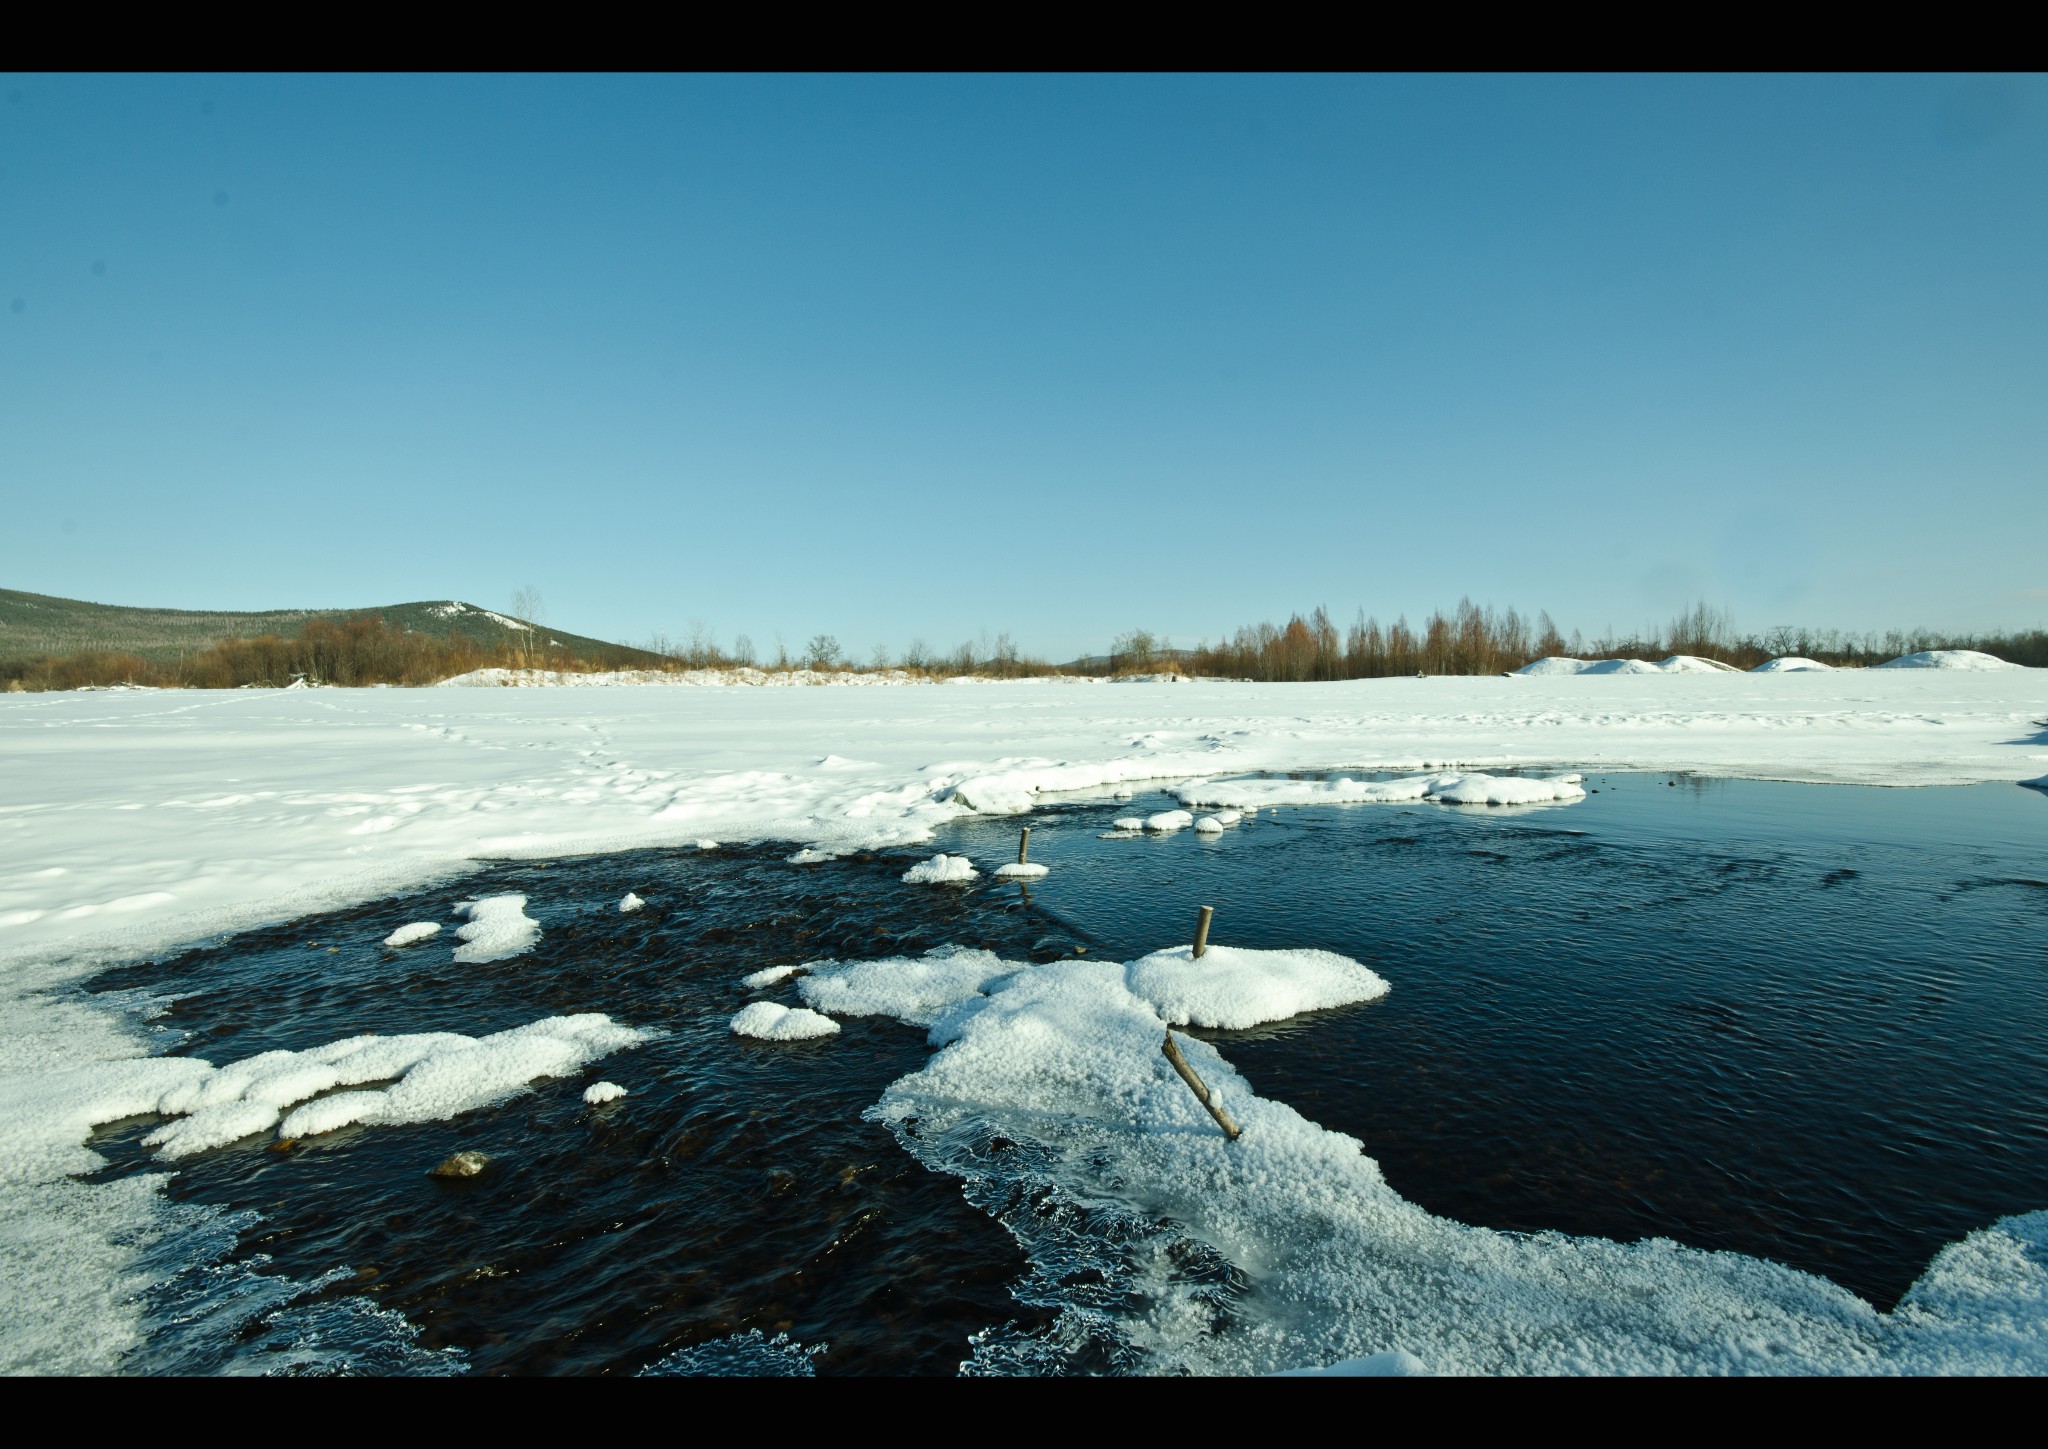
point(772, 1021)
point(498, 929)
point(1447, 788)
point(629, 903)
point(133, 822)
point(1167, 820)
point(1128, 1173)
point(1209, 825)
point(1394, 1364)
point(773, 974)
point(1948, 659)
point(941, 869)
point(417, 931)
point(1020, 870)
point(1676, 664)
point(742, 676)
point(598, 1093)
point(1792, 664)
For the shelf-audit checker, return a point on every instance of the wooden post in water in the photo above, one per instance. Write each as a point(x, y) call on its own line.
point(1195, 1084)
point(1023, 845)
point(1202, 930)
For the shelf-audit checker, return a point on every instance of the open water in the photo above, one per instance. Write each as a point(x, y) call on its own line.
point(1797, 1022)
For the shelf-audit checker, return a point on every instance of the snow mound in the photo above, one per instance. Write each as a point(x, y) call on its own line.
point(1450, 788)
point(1792, 664)
point(1236, 987)
point(1676, 664)
point(1948, 659)
point(1130, 823)
point(1167, 820)
point(1226, 817)
point(1694, 664)
point(916, 989)
point(439, 1074)
point(630, 903)
point(1020, 870)
point(498, 929)
point(941, 869)
point(598, 1093)
point(417, 931)
point(771, 1021)
point(1209, 825)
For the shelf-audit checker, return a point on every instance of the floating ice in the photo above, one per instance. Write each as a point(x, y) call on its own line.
point(1236, 987)
point(598, 1093)
point(1131, 824)
point(1168, 820)
point(941, 869)
point(1450, 788)
point(1226, 817)
point(768, 977)
point(440, 1075)
point(1209, 825)
point(916, 989)
point(811, 855)
point(498, 929)
point(1793, 664)
point(1020, 870)
point(630, 903)
point(417, 931)
point(1948, 659)
point(772, 1021)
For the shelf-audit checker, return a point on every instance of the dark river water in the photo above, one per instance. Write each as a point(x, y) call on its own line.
point(1798, 1022)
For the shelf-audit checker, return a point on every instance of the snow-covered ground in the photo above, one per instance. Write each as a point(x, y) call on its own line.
point(136, 820)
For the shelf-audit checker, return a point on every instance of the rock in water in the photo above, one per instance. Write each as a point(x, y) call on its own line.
point(462, 1164)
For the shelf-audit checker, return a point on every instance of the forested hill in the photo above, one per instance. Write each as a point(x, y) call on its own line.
point(36, 626)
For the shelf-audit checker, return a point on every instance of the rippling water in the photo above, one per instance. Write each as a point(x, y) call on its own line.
point(1798, 1022)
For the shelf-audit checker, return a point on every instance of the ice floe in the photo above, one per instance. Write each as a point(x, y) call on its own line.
point(1948, 659)
point(772, 1021)
point(630, 903)
point(1113, 1162)
point(1020, 870)
point(771, 975)
point(417, 931)
point(498, 929)
point(1447, 788)
point(1166, 820)
point(941, 869)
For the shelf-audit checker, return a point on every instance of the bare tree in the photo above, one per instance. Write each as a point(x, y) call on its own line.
point(742, 649)
point(822, 652)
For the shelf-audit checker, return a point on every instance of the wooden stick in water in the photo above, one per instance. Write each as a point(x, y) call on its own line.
point(1195, 1084)
point(1023, 845)
point(1202, 929)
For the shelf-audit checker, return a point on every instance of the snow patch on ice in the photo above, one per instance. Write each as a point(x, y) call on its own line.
point(417, 931)
point(916, 989)
point(1167, 820)
point(1020, 870)
point(1449, 788)
point(1236, 987)
point(755, 980)
point(772, 1021)
point(1209, 825)
point(941, 869)
point(498, 929)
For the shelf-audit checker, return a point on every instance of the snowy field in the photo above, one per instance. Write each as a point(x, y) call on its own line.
point(134, 821)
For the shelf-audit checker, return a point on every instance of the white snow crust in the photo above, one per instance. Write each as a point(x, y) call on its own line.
point(772, 1021)
point(498, 929)
point(1793, 664)
point(417, 931)
point(137, 821)
point(1948, 659)
point(941, 869)
point(1167, 820)
point(1065, 1059)
point(1446, 788)
point(1021, 870)
point(598, 1093)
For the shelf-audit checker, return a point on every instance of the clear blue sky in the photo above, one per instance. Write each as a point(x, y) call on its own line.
point(921, 357)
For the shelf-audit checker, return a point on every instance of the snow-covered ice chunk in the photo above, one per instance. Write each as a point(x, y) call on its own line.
point(1020, 870)
point(1448, 788)
point(630, 903)
point(707, 845)
point(1169, 820)
point(811, 855)
point(598, 1093)
point(772, 1021)
point(417, 931)
point(916, 989)
point(1131, 823)
point(498, 929)
point(1793, 664)
point(941, 869)
point(1209, 825)
point(1237, 987)
point(1948, 659)
point(1225, 817)
point(768, 976)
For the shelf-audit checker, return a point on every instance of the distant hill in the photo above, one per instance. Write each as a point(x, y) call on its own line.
point(34, 625)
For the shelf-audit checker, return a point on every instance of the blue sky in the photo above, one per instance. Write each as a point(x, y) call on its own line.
point(921, 357)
